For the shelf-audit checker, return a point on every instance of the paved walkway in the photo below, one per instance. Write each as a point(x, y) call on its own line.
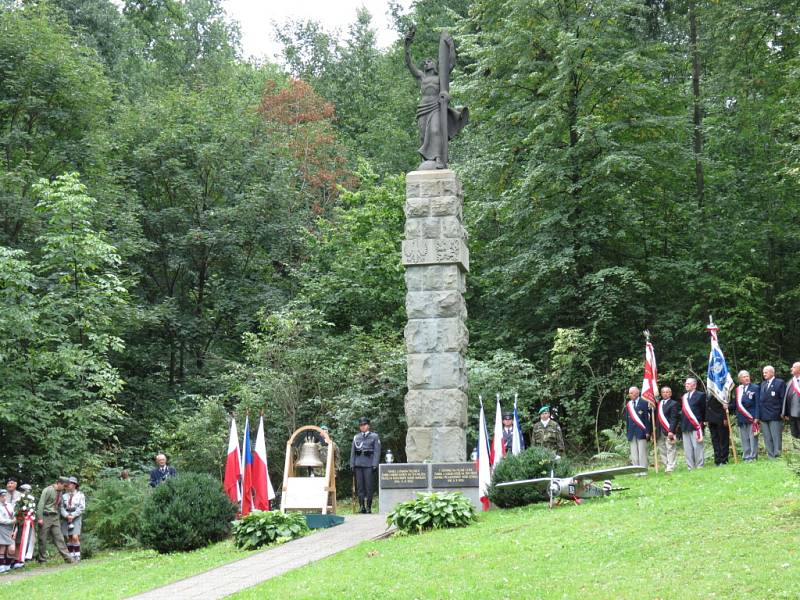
point(250, 571)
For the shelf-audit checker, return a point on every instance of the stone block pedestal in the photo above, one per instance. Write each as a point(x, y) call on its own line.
point(436, 259)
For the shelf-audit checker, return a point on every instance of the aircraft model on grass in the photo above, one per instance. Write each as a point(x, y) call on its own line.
point(578, 486)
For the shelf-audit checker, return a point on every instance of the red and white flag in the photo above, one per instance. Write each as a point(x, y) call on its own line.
point(482, 463)
point(233, 467)
point(650, 383)
point(498, 447)
point(264, 493)
point(248, 495)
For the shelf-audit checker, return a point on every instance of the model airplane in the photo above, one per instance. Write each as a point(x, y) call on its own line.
point(578, 486)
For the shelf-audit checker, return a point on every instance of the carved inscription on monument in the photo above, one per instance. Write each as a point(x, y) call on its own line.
point(436, 252)
point(403, 476)
point(454, 475)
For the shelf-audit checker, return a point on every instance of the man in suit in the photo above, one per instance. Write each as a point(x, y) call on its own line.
point(717, 419)
point(667, 418)
point(365, 454)
point(638, 427)
point(693, 417)
point(746, 407)
point(772, 393)
point(791, 401)
point(162, 472)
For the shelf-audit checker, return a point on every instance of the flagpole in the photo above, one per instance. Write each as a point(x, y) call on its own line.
point(652, 408)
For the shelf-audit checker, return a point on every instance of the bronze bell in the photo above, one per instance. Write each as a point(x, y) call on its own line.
point(309, 455)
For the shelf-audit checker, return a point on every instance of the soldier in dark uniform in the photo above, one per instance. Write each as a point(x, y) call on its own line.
point(365, 454)
point(508, 431)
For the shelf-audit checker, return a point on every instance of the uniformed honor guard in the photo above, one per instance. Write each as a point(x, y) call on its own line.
point(639, 426)
point(791, 401)
point(547, 433)
point(365, 454)
point(47, 514)
point(508, 431)
point(747, 415)
point(73, 503)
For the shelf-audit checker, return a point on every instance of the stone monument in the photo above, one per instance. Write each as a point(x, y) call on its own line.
point(436, 259)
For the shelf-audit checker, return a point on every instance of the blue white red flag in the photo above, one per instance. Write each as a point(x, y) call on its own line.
point(482, 462)
point(248, 499)
point(517, 443)
point(498, 444)
point(233, 467)
point(719, 382)
point(264, 492)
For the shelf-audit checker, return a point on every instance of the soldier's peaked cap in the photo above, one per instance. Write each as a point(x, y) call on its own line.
point(363, 421)
point(508, 415)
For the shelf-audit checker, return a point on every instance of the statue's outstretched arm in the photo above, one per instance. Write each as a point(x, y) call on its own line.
point(409, 61)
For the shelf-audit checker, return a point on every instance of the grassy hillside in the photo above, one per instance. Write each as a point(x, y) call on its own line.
point(730, 532)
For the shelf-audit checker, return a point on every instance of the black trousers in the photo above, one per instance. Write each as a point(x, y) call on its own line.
point(720, 438)
point(364, 483)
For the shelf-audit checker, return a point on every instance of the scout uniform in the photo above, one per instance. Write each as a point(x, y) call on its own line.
point(365, 454)
point(47, 513)
point(548, 434)
point(73, 503)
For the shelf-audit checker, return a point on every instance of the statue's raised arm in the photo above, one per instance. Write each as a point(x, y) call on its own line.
point(409, 61)
point(438, 122)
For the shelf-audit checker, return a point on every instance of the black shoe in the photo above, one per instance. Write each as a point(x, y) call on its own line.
point(363, 511)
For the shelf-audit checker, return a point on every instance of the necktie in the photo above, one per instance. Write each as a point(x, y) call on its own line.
point(58, 500)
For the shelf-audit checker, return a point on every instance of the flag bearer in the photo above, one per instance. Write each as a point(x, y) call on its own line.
point(746, 403)
point(693, 416)
point(667, 419)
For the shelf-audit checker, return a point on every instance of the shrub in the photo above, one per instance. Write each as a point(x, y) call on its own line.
point(432, 511)
point(113, 511)
point(90, 545)
point(529, 464)
point(186, 512)
point(268, 527)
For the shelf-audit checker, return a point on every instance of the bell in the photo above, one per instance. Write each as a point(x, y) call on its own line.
point(309, 455)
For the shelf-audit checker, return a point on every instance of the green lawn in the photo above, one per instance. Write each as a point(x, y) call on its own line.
point(120, 574)
point(730, 532)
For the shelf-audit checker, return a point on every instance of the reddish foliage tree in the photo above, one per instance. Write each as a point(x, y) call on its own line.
point(305, 118)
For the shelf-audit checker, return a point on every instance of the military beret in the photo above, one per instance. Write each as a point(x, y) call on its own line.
point(508, 415)
point(544, 409)
point(363, 421)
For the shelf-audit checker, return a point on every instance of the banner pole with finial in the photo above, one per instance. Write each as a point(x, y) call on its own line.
point(652, 407)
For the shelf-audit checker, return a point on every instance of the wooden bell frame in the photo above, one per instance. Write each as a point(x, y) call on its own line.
point(307, 494)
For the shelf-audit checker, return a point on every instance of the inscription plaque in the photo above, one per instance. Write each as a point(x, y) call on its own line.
point(446, 475)
point(441, 251)
point(403, 476)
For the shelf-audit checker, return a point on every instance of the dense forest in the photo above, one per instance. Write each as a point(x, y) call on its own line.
point(186, 234)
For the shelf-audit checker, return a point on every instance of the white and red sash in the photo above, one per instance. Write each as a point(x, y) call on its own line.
point(662, 419)
point(634, 417)
point(25, 546)
point(795, 387)
point(740, 407)
point(687, 410)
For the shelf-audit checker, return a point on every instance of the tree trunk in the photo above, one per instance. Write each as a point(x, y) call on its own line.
point(699, 183)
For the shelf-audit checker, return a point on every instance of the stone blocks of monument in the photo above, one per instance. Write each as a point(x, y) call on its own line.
point(436, 259)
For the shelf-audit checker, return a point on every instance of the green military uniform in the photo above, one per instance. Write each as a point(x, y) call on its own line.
point(47, 513)
point(549, 436)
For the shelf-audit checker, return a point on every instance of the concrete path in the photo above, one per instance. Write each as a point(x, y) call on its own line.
point(250, 571)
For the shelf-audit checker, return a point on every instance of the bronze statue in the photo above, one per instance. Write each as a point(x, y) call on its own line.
point(438, 122)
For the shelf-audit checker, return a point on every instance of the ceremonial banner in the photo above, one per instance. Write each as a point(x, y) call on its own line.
point(482, 461)
point(718, 381)
point(498, 447)
point(233, 467)
point(26, 540)
point(247, 475)
point(517, 443)
point(650, 383)
point(262, 486)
